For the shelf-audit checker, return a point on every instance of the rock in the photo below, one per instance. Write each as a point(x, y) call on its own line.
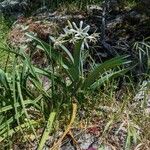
point(40, 10)
point(144, 6)
point(13, 8)
point(142, 92)
point(67, 146)
point(114, 22)
point(143, 96)
point(115, 6)
point(86, 141)
point(133, 17)
point(145, 3)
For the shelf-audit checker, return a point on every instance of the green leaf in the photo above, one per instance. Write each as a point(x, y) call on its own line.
point(11, 51)
point(76, 69)
point(102, 68)
point(16, 129)
point(3, 80)
point(52, 53)
point(106, 77)
point(47, 130)
point(26, 102)
point(77, 54)
point(67, 52)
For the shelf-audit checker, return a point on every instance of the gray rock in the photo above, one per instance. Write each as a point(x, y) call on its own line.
point(145, 2)
point(143, 96)
point(145, 6)
point(133, 17)
point(68, 146)
point(13, 8)
point(113, 6)
point(41, 10)
point(85, 141)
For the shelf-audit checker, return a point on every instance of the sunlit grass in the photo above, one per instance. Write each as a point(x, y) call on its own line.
point(4, 30)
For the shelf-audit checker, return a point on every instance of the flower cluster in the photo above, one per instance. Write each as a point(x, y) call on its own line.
point(73, 33)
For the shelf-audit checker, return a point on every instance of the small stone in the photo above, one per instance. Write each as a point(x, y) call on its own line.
point(85, 141)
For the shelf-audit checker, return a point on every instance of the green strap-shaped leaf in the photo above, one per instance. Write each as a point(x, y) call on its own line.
point(47, 130)
point(3, 80)
point(76, 69)
point(52, 53)
point(101, 68)
point(103, 79)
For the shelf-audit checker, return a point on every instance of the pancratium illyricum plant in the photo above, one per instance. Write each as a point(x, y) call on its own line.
point(73, 33)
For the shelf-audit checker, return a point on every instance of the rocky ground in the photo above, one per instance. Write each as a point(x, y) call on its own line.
point(119, 31)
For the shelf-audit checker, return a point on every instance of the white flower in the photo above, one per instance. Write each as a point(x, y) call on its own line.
point(73, 33)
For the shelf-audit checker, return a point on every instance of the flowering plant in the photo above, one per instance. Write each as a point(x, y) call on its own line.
point(73, 33)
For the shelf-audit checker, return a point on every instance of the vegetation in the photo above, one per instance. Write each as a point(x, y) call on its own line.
point(34, 98)
point(4, 29)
